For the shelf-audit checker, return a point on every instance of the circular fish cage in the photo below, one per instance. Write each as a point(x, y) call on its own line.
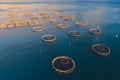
point(53, 20)
point(62, 26)
point(11, 25)
point(68, 19)
point(63, 65)
point(42, 12)
point(48, 38)
point(80, 24)
point(46, 16)
point(74, 34)
point(61, 16)
point(38, 29)
point(3, 26)
point(94, 31)
point(101, 49)
point(34, 18)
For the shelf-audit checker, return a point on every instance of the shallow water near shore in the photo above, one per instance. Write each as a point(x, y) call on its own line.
point(23, 56)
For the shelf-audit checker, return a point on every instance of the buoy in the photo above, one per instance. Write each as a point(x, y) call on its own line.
point(117, 36)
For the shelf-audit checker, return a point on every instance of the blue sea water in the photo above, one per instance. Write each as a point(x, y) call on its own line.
point(23, 56)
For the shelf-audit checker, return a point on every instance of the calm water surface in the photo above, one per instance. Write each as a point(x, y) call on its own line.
point(23, 56)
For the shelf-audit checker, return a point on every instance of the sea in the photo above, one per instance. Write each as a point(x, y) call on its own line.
point(24, 56)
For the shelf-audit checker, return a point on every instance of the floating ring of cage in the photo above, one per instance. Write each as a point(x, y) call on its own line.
point(38, 29)
point(53, 20)
point(62, 16)
point(48, 38)
point(31, 23)
point(14, 20)
point(37, 23)
point(28, 14)
point(42, 12)
point(46, 16)
point(18, 24)
point(3, 26)
point(21, 24)
point(94, 31)
point(61, 26)
point(56, 12)
point(68, 19)
point(11, 25)
point(63, 65)
point(80, 24)
point(34, 18)
point(74, 33)
point(101, 49)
